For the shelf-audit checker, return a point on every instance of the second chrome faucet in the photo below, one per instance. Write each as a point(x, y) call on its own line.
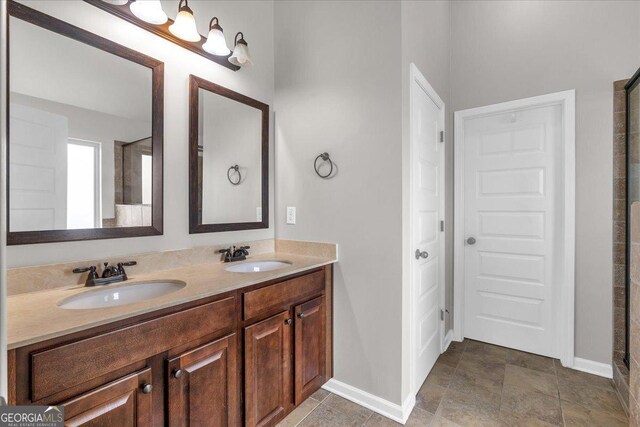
point(232, 254)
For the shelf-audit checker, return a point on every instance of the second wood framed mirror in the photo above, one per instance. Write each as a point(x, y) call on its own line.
point(228, 159)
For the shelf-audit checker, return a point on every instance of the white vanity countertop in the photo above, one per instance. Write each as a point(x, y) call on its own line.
point(36, 316)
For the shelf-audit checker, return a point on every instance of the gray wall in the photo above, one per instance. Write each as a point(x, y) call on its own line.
point(342, 81)
point(338, 90)
point(508, 50)
point(255, 19)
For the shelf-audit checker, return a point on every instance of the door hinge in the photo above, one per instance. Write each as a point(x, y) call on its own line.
point(441, 225)
point(441, 136)
point(442, 314)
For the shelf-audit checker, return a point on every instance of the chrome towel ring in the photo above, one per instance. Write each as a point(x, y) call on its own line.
point(325, 157)
point(235, 168)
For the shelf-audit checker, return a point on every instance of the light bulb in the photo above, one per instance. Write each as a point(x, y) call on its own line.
point(241, 56)
point(149, 11)
point(184, 26)
point(216, 43)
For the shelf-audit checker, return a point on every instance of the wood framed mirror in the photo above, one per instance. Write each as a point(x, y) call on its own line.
point(85, 134)
point(228, 159)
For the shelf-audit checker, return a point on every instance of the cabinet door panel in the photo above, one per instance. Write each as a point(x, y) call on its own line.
point(309, 348)
point(202, 385)
point(119, 403)
point(267, 370)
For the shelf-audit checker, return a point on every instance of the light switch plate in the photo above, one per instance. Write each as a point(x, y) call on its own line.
point(291, 215)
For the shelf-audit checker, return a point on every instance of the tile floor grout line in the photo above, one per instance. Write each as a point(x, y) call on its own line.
point(555, 370)
point(455, 369)
point(310, 412)
point(368, 418)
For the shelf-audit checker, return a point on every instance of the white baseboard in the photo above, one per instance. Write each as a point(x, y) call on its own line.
point(448, 338)
point(376, 404)
point(591, 367)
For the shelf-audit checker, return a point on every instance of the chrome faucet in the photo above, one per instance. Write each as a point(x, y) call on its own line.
point(110, 273)
point(232, 254)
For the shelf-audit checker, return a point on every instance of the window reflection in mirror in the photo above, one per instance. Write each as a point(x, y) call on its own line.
point(80, 134)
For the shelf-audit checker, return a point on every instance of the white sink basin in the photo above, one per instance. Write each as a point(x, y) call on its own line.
point(258, 266)
point(114, 295)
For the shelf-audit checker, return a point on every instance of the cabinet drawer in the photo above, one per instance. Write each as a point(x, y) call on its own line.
point(72, 364)
point(282, 295)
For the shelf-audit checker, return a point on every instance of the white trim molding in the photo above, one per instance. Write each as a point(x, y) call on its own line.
point(592, 367)
point(566, 316)
point(378, 405)
point(448, 339)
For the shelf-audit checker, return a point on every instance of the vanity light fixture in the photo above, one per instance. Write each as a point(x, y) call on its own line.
point(181, 30)
point(184, 26)
point(241, 56)
point(149, 11)
point(216, 43)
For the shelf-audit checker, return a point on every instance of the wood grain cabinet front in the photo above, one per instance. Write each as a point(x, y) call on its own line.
point(309, 348)
point(202, 388)
point(267, 364)
point(124, 402)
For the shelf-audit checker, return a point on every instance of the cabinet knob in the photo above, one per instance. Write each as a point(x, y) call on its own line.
point(178, 373)
point(300, 315)
point(287, 321)
point(147, 388)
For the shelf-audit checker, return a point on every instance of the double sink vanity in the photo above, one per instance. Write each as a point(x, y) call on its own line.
point(180, 337)
point(214, 344)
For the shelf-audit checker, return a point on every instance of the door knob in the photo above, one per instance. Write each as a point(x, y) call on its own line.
point(471, 241)
point(421, 254)
point(146, 389)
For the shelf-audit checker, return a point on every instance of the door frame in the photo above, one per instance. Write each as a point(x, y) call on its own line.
point(566, 99)
point(415, 76)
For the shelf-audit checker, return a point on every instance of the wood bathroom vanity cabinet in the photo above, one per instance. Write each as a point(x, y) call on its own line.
point(245, 357)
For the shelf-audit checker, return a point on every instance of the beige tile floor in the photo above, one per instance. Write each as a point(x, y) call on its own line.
point(477, 384)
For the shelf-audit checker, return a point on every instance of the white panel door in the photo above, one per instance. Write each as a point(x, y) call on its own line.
point(38, 169)
point(511, 162)
point(427, 207)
